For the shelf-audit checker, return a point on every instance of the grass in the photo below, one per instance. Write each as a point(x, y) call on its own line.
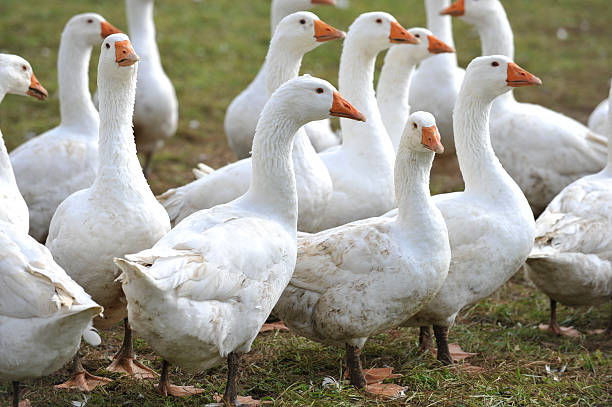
point(211, 50)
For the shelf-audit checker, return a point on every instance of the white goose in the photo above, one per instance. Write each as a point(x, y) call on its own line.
point(64, 159)
point(490, 224)
point(156, 108)
point(16, 77)
point(522, 133)
point(572, 258)
point(362, 167)
point(368, 276)
point(118, 214)
point(296, 34)
point(43, 313)
point(599, 117)
point(435, 84)
point(395, 77)
point(223, 269)
point(243, 112)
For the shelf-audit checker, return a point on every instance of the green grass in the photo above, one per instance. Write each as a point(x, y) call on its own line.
point(211, 50)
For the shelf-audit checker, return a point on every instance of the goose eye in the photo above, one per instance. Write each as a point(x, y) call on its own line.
point(320, 90)
point(302, 21)
point(495, 63)
point(25, 68)
point(90, 21)
point(379, 20)
point(418, 35)
point(107, 45)
point(414, 125)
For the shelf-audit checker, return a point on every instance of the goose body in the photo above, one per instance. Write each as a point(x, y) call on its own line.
point(522, 133)
point(396, 75)
point(224, 268)
point(243, 112)
point(290, 42)
point(571, 261)
point(364, 277)
point(490, 224)
point(64, 159)
point(361, 168)
point(435, 85)
point(597, 119)
point(43, 313)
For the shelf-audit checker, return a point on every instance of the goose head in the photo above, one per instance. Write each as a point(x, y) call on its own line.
point(421, 134)
point(377, 31)
point(428, 45)
point(304, 31)
point(18, 78)
point(117, 57)
point(472, 11)
point(90, 28)
point(494, 75)
point(311, 99)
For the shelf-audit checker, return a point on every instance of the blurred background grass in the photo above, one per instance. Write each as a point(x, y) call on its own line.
point(212, 49)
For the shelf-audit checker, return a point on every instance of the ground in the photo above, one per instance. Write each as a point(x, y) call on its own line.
point(211, 50)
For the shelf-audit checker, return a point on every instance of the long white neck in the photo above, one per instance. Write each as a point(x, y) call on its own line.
point(412, 169)
point(76, 106)
point(273, 188)
point(481, 169)
point(6, 169)
point(142, 31)
point(356, 83)
point(393, 91)
point(441, 27)
point(119, 165)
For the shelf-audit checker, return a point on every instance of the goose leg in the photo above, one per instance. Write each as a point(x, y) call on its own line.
point(608, 330)
point(230, 395)
point(554, 325)
point(165, 388)
point(15, 394)
point(425, 339)
point(146, 169)
point(355, 370)
point(81, 379)
point(124, 361)
point(444, 355)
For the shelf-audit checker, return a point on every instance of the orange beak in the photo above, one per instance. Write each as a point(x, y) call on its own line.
point(438, 47)
point(107, 29)
point(518, 77)
point(342, 108)
point(431, 139)
point(399, 35)
point(124, 53)
point(457, 9)
point(328, 2)
point(325, 32)
point(36, 89)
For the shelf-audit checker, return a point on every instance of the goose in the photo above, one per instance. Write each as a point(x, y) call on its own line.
point(597, 119)
point(156, 108)
point(16, 77)
point(243, 112)
point(118, 213)
point(572, 258)
point(296, 34)
point(522, 133)
point(490, 224)
point(223, 269)
point(361, 168)
point(64, 159)
point(395, 76)
point(43, 313)
point(365, 277)
point(435, 84)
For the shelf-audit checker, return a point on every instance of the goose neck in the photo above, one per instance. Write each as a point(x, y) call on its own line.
point(496, 35)
point(142, 29)
point(119, 163)
point(76, 106)
point(441, 26)
point(479, 166)
point(282, 64)
point(393, 91)
point(273, 188)
point(6, 169)
point(412, 171)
